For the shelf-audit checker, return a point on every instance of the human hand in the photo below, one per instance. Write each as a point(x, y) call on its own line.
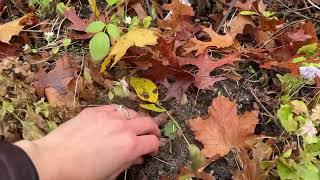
point(99, 143)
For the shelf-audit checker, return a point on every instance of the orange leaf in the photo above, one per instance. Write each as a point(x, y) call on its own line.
point(219, 41)
point(237, 25)
point(223, 129)
point(179, 18)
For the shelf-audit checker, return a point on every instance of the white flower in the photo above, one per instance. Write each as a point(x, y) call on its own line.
point(48, 35)
point(26, 47)
point(309, 72)
point(309, 129)
point(127, 20)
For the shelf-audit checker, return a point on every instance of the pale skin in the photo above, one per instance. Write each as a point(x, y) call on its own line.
point(99, 143)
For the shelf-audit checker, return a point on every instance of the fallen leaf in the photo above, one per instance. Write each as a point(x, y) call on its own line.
point(58, 78)
point(206, 65)
point(56, 99)
point(94, 8)
point(218, 41)
point(237, 25)
point(223, 129)
point(12, 28)
point(30, 131)
point(298, 35)
point(182, 81)
point(7, 50)
point(261, 6)
point(152, 107)
point(139, 10)
point(137, 37)
point(145, 89)
point(250, 169)
point(77, 23)
point(179, 17)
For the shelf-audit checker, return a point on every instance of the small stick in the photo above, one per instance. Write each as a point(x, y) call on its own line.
point(233, 2)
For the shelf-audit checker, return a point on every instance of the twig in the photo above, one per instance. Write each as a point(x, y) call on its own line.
point(313, 4)
point(76, 88)
point(226, 15)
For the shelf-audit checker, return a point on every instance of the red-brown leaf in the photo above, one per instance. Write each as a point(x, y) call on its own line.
point(58, 78)
point(206, 65)
point(7, 50)
point(77, 23)
point(298, 35)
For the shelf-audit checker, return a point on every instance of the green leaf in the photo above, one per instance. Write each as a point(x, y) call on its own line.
point(51, 125)
point(112, 2)
point(135, 21)
point(197, 158)
point(299, 59)
point(313, 149)
point(152, 107)
point(99, 46)
point(7, 106)
point(170, 129)
point(248, 13)
point(30, 131)
point(309, 49)
point(268, 14)
point(55, 50)
point(285, 116)
point(299, 107)
point(145, 89)
point(110, 95)
point(147, 21)
point(113, 31)
point(285, 170)
point(61, 7)
point(287, 153)
point(95, 27)
point(185, 177)
point(66, 42)
point(119, 92)
point(307, 171)
point(266, 164)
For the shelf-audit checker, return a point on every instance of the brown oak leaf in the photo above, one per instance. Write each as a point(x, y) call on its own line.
point(250, 169)
point(58, 78)
point(77, 23)
point(206, 65)
point(237, 25)
point(180, 15)
point(7, 50)
point(223, 129)
point(217, 40)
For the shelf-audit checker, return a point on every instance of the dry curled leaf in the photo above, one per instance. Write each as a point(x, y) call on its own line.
point(237, 25)
point(223, 129)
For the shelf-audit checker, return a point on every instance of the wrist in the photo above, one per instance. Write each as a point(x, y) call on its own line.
point(40, 158)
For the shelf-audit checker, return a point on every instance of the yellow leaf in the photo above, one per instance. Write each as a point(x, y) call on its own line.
point(137, 37)
point(10, 29)
point(94, 8)
point(145, 89)
point(152, 107)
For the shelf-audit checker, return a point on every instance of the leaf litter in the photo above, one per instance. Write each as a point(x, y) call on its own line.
point(167, 59)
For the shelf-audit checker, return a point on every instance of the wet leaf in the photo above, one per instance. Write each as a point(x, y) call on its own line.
point(223, 129)
point(95, 27)
point(99, 46)
point(170, 129)
point(152, 107)
point(145, 89)
point(137, 37)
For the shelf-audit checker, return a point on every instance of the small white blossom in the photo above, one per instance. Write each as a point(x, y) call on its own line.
point(309, 129)
point(48, 35)
point(26, 47)
point(127, 20)
point(309, 72)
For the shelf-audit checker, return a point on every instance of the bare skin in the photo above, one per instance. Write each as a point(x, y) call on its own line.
point(97, 144)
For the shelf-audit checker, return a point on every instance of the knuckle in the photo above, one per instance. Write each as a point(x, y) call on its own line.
point(131, 143)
